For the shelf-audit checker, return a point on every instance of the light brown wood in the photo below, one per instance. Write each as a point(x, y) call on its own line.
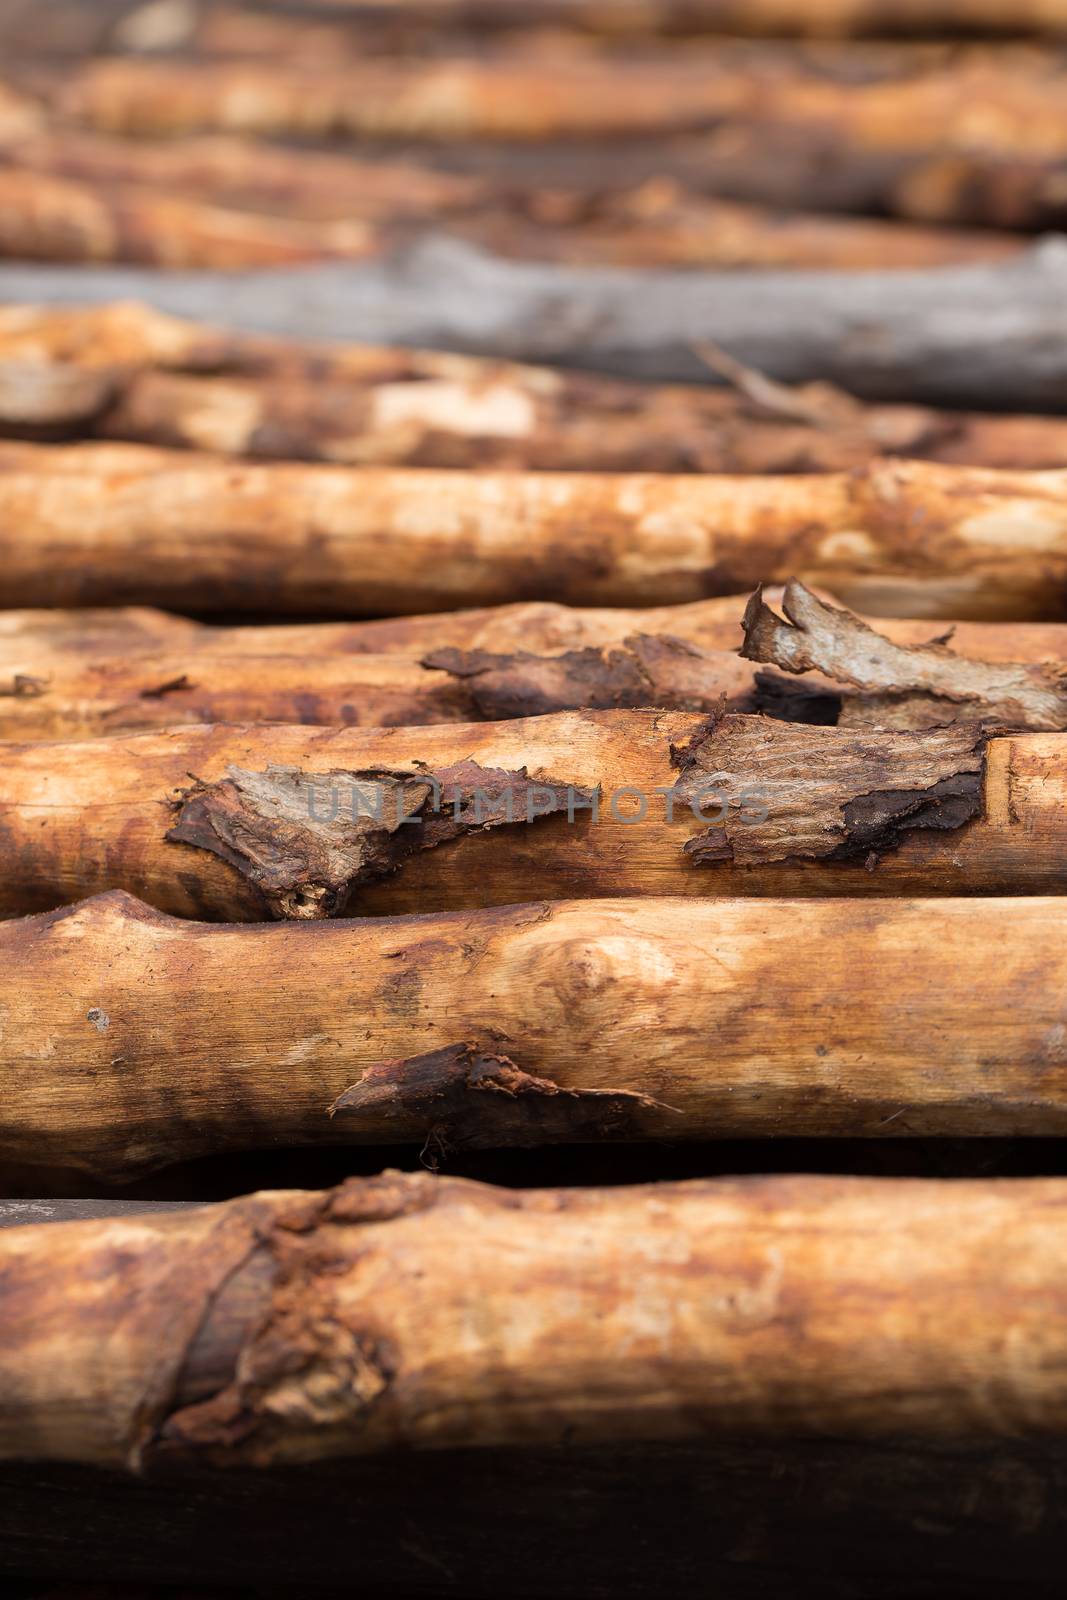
point(76, 637)
point(175, 383)
point(413, 1312)
point(98, 524)
point(133, 1040)
point(302, 822)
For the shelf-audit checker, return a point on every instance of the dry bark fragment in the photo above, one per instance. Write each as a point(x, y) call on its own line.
point(815, 797)
point(468, 1096)
point(645, 670)
point(900, 686)
point(270, 825)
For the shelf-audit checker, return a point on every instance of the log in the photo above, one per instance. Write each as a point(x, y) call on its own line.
point(965, 336)
point(855, 676)
point(44, 218)
point(261, 821)
point(294, 1326)
point(78, 636)
point(49, 695)
point(155, 380)
point(96, 524)
point(129, 1045)
point(879, 109)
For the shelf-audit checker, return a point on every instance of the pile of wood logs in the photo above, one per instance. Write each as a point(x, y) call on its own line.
point(533, 710)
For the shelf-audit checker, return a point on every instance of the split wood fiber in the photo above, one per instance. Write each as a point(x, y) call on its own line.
point(249, 823)
point(127, 372)
point(413, 1312)
point(134, 1040)
point(73, 638)
point(96, 524)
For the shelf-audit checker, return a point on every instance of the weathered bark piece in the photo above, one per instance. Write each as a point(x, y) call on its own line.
point(92, 524)
point(947, 336)
point(306, 857)
point(133, 1040)
point(901, 686)
point(65, 694)
point(295, 1325)
point(775, 807)
point(61, 646)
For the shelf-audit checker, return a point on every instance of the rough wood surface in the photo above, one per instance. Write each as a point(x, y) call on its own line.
point(129, 1046)
point(247, 823)
point(292, 1326)
point(853, 676)
point(953, 337)
point(75, 637)
point(95, 524)
point(51, 695)
point(126, 372)
point(900, 686)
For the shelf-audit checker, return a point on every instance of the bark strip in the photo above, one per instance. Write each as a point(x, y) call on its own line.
point(613, 799)
point(289, 1326)
point(97, 524)
point(901, 686)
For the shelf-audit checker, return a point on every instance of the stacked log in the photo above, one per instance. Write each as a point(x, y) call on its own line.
point(488, 681)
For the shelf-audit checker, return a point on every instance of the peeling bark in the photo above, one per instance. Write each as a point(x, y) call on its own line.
point(269, 826)
point(556, 1022)
point(464, 1097)
point(823, 797)
point(188, 532)
point(58, 841)
point(63, 692)
point(289, 1326)
point(901, 686)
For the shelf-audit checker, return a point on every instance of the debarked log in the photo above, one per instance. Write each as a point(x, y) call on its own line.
point(853, 676)
point(126, 372)
point(133, 1040)
point(97, 524)
point(53, 695)
point(73, 638)
point(248, 823)
point(418, 1312)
